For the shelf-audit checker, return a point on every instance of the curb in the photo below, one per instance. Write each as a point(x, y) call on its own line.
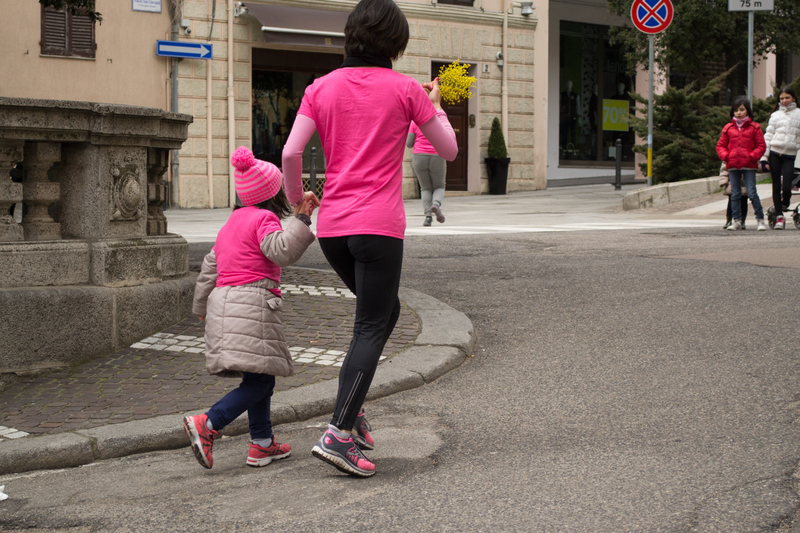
point(445, 341)
point(667, 193)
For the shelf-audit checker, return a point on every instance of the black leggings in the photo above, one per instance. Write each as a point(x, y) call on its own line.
point(729, 214)
point(370, 266)
point(781, 165)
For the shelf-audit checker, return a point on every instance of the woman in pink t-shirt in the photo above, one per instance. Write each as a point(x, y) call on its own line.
point(362, 112)
point(431, 172)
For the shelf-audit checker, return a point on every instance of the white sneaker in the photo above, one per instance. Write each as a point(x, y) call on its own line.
point(761, 225)
point(735, 226)
point(780, 223)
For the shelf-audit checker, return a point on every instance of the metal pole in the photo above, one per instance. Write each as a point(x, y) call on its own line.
point(174, 197)
point(618, 179)
point(312, 182)
point(650, 115)
point(750, 17)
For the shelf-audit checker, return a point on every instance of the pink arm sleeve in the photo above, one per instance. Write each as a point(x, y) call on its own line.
point(302, 130)
point(440, 134)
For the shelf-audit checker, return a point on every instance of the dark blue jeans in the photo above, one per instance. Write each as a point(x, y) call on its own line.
point(749, 177)
point(253, 395)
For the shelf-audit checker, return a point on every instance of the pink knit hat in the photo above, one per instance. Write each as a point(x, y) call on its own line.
point(256, 181)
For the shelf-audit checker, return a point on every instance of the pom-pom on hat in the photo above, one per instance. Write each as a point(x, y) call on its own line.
point(256, 181)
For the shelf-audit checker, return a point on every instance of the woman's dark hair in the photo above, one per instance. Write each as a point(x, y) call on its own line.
point(788, 90)
point(739, 102)
point(278, 204)
point(376, 27)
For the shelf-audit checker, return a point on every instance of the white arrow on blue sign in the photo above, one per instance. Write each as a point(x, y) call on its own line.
point(188, 50)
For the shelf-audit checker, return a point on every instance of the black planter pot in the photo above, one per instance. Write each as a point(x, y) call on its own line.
point(497, 168)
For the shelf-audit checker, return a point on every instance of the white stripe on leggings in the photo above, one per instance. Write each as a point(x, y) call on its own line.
point(350, 397)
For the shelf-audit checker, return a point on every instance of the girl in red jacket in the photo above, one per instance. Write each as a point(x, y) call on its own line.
point(741, 145)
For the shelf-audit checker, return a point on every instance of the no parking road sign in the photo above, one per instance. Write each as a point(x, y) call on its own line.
point(652, 16)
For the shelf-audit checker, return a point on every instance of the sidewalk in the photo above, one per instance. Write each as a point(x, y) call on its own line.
point(133, 400)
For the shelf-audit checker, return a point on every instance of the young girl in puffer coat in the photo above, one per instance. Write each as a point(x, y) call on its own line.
point(238, 296)
point(740, 146)
point(783, 142)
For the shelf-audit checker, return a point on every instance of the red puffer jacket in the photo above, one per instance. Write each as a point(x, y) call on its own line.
point(741, 148)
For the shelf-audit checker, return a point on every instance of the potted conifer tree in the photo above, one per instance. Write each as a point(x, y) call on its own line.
point(498, 160)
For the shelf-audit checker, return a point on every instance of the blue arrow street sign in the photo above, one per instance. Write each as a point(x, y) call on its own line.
point(190, 50)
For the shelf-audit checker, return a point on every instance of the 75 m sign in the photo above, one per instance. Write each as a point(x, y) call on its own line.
point(751, 5)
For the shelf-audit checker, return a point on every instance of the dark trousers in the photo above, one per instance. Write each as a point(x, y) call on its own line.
point(729, 213)
point(253, 395)
point(781, 166)
point(370, 266)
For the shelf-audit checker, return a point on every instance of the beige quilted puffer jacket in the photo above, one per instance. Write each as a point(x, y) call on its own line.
point(244, 327)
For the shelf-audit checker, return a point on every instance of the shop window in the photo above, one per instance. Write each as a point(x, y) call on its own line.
point(66, 34)
point(280, 79)
point(594, 100)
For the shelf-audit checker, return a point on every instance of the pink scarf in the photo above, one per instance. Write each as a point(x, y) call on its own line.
point(741, 122)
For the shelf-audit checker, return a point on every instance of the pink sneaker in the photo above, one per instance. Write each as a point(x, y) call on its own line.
point(361, 433)
point(260, 456)
point(343, 454)
point(201, 437)
point(780, 223)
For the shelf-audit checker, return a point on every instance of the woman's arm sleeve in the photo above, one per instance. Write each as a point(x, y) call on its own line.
point(206, 282)
point(302, 130)
point(441, 135)
point(767, 138)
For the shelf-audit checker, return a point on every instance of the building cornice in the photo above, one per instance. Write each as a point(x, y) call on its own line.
point(440, 12)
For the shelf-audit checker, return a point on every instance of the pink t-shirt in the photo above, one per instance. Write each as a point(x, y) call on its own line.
point(238, 251)
point(421, 144)
point(362, 116)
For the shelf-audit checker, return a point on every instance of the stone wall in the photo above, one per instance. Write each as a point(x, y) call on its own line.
point(192, 100)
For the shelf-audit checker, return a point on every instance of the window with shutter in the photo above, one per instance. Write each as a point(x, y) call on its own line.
point(65, 34)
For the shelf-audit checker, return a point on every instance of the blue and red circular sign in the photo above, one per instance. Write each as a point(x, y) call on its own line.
point(652, 16)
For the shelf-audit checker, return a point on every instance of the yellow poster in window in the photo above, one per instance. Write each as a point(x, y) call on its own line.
point(615, 115)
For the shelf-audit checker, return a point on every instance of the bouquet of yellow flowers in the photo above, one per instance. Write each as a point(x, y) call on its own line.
point(454, 83)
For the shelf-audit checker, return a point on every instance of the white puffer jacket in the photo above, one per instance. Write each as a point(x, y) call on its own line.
point(783, 131)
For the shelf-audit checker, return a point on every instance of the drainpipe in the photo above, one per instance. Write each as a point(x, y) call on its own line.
point(231, 111)
point(504, 90)
point(209, 143)
point(175, 192)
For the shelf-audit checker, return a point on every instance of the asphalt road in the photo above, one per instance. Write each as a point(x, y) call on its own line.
point(615, 386)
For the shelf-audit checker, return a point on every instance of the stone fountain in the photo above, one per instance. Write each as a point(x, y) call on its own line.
point(89, 267)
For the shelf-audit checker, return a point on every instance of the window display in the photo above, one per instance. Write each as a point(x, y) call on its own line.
point(594, 101)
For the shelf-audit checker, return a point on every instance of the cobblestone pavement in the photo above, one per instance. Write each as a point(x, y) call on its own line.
point(166, 374)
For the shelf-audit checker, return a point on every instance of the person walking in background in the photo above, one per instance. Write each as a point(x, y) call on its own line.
point(239, 285)
point(783, 141)
point(363, 112)
point(725, 183)
point(431, 171)
point(740, 145)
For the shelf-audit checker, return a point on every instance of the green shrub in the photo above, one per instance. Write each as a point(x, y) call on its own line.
point(686, 130)
point(497, 143)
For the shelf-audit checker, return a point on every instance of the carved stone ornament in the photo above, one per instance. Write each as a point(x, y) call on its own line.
point(126, 193)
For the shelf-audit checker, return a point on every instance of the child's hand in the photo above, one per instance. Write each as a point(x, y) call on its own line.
point(202, 318)
point(307, 206)
point(764, 166)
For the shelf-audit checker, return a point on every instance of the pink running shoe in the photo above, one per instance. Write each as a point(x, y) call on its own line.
point(201, 437)
point(260, 456)
point(343, 454)
point(361, 433)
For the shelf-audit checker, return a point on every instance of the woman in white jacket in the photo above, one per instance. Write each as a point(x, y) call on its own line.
point(783, 141)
